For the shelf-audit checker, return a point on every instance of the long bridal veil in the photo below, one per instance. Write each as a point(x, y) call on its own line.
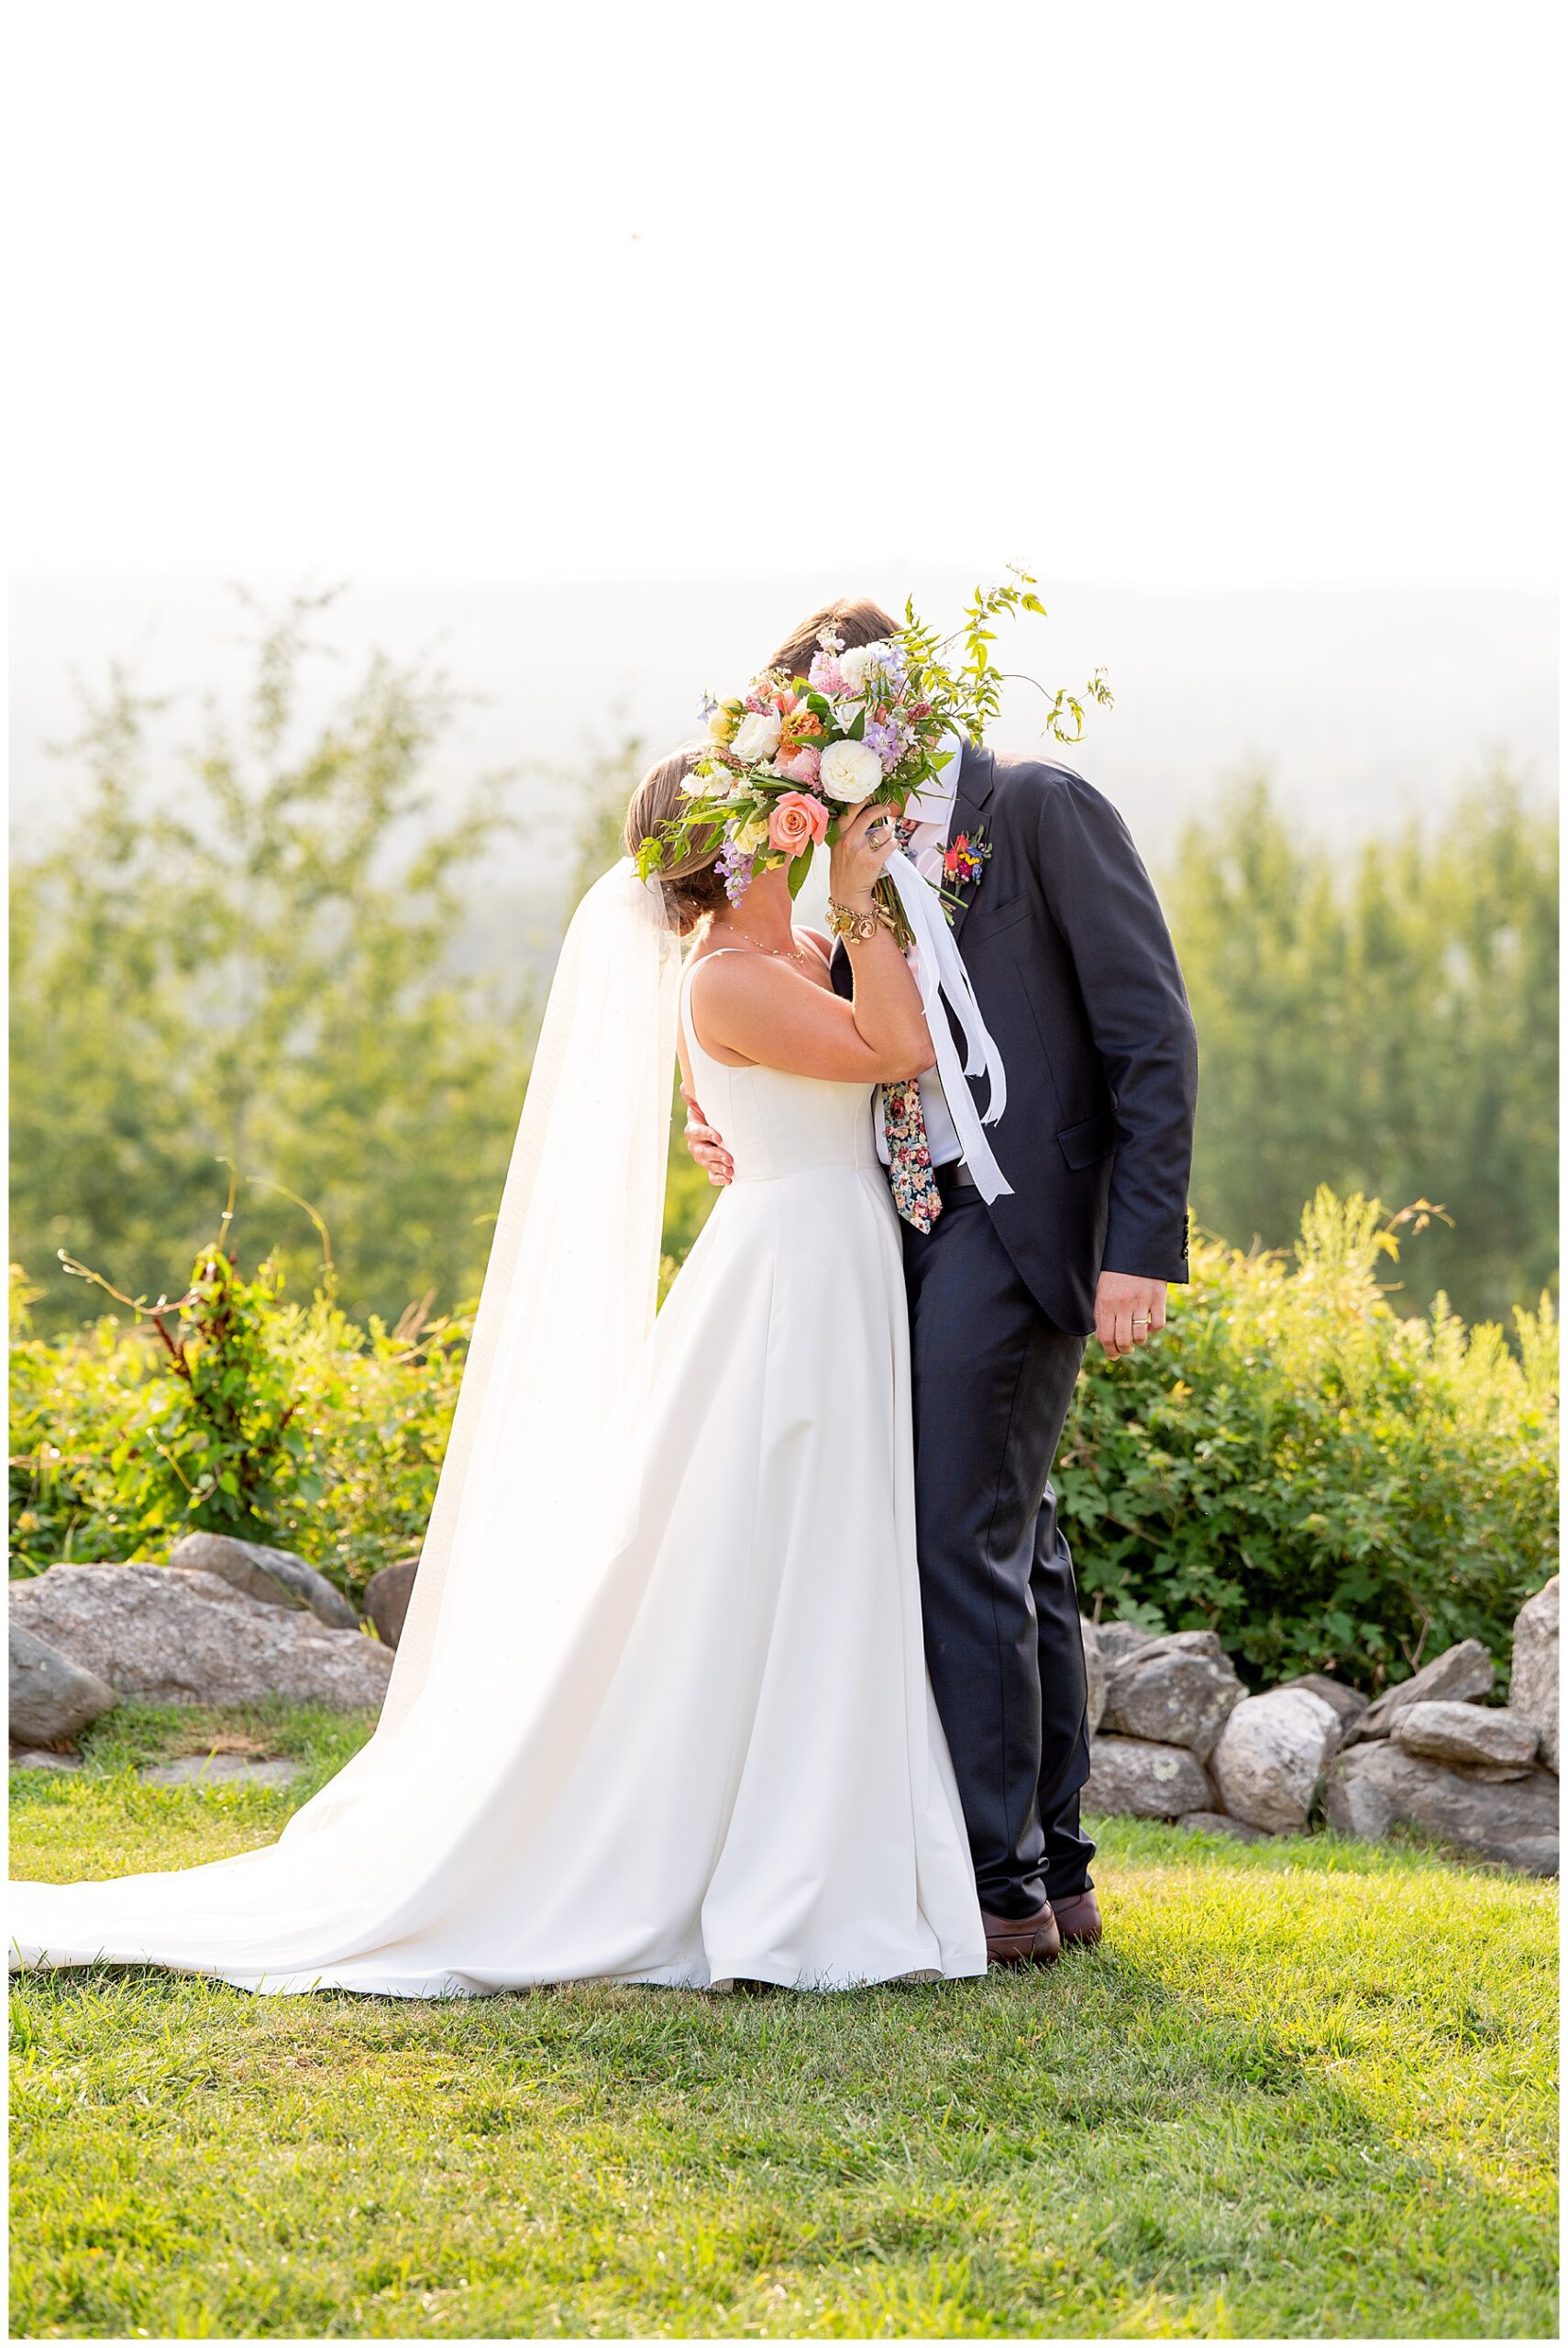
point(527, 1519)
point(564, 1316)
point(572, 1279)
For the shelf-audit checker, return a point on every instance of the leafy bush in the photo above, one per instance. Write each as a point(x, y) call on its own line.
point(237, 1411)
point(1327, 1484)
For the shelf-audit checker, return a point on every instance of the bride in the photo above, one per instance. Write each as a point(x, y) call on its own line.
point(660, 1710)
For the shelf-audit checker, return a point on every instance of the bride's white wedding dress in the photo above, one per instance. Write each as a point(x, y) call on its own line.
point(693, 1741)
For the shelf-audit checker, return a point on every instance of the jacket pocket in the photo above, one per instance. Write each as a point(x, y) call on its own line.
point(1084, 1146)
point(990, 919)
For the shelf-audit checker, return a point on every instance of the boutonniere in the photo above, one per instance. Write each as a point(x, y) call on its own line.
point(963, 862)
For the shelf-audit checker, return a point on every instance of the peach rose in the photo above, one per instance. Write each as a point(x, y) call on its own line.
point(802, 765)
point(797, 823)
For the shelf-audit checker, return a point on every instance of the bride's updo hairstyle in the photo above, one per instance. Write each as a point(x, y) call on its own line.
point(693, 889)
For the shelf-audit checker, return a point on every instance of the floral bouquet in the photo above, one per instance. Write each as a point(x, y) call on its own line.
point(790, 755)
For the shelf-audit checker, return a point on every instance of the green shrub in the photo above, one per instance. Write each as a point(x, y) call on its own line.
point(239, 1411)
point(1327, 1484)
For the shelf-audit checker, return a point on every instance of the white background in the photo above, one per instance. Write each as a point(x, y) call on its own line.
point(465, 303)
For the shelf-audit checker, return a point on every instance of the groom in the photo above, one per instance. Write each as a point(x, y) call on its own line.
point(1075, 976)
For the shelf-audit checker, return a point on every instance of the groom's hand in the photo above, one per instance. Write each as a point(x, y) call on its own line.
point(705, 1146)
point(1126, 1311)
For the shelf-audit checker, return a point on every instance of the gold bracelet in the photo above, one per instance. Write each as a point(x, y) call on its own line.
point(854, 928)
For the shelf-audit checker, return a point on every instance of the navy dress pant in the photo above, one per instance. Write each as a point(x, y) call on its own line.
point(993, 1378)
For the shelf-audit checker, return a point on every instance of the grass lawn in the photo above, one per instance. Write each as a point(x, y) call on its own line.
point(1306, 2088)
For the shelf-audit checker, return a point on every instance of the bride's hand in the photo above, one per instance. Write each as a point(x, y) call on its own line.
point(866, 838)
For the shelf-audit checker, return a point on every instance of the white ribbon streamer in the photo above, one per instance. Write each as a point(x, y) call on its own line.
point(940, 976)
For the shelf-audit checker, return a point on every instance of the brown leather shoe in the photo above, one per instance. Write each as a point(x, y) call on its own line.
point(1022, 1940)
point(1077, 1920)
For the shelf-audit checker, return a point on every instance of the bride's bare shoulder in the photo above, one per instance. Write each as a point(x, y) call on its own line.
point(743, 970)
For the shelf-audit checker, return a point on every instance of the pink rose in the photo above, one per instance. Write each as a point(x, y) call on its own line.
point(803, 765)
point(797, 823)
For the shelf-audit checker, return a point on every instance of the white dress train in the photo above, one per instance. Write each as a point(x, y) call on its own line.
point(707, 1750)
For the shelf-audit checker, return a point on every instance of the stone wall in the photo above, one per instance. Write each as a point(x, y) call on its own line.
point(1175, 1735)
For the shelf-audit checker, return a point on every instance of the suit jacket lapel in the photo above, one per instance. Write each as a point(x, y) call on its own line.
point(975, 776)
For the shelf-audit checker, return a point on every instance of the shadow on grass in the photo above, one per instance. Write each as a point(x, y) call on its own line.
point(1287, 2097)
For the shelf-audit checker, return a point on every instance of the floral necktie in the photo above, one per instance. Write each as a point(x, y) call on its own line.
point(909, 1170)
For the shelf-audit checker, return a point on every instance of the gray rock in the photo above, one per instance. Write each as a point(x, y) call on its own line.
point(387, 1594)
point(220, 1769)
point(1215, 1821)
point(1358, 1799)
point(1532, 1691)
point(1271, 1758)
point(52, 1698)
point(1128, 1779)
point(185, 1638)
point(1094, 1676)
point(1188, 1642)
point(1119, 1640)
point(1494, 1745)
point(274, 1575)
point(1174, 1692)
point(25, 1760)
point(1374, 1787)
point(1348, 1704)
point(1459, 1675)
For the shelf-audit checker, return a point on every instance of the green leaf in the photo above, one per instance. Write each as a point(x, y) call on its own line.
point(799, 869)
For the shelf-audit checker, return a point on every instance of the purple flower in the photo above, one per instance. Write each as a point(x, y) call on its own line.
point(734, 871)
point(889, 738)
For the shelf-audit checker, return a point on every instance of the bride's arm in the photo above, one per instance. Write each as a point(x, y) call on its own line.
point(756, 1007)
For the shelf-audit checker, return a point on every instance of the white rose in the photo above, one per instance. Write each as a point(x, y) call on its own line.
point(750, 836)
point(850, 771)
point(756, 738)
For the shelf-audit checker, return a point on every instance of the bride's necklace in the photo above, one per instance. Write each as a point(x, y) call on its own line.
point(779, 952)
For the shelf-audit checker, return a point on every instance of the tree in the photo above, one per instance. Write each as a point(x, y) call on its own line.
point(1391, 1029)
point(257, 968)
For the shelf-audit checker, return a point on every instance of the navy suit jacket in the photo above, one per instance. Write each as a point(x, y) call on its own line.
point(1078, 978)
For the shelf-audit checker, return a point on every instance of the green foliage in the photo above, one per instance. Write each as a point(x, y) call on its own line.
point(1390, 1027)
point(972, 686)
point(245, 953)
point(235, 1410)
point(1329, 1485)
point(1286, 2099)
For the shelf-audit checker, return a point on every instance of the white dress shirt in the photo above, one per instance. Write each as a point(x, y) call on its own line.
point(930, 812)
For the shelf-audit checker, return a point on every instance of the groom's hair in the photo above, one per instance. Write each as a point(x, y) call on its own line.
point(854, 619)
